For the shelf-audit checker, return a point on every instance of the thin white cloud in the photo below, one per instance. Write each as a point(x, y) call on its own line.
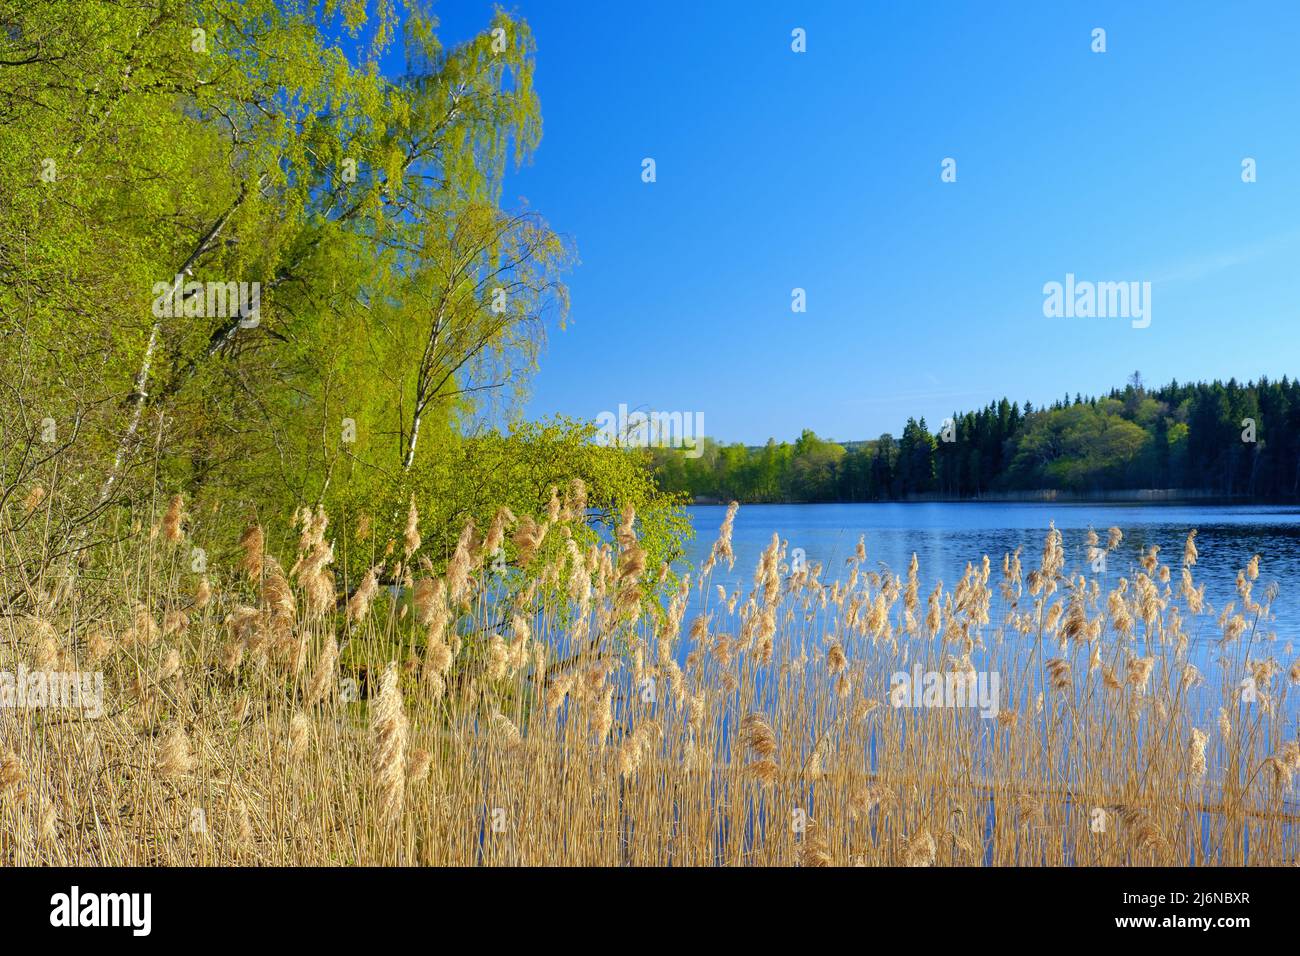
point(1199, 268)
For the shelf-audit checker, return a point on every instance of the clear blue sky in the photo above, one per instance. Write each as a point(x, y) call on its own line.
point(822, 171)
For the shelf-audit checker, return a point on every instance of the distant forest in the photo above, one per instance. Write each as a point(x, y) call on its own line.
point(1218, 438)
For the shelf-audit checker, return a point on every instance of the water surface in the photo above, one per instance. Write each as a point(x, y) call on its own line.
point(946, 535)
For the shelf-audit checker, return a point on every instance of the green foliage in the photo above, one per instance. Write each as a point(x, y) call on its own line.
point(470, 477)
point(1076, 448)
point(1189, 437)
point(236, 140)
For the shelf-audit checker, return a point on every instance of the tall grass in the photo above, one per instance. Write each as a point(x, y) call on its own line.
point(269, 712)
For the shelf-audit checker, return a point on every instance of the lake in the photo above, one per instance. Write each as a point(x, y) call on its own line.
point(946, 535)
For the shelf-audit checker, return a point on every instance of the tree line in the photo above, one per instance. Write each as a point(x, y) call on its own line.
point(1219, 438)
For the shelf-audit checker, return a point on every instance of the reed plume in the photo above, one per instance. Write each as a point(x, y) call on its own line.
point(388, 729)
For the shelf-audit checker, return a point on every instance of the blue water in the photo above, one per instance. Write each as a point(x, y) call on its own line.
point(946, 535)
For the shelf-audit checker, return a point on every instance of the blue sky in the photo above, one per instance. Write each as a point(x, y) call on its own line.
point(821, 170)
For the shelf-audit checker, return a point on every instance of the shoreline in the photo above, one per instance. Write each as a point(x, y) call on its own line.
point(1145, 496)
